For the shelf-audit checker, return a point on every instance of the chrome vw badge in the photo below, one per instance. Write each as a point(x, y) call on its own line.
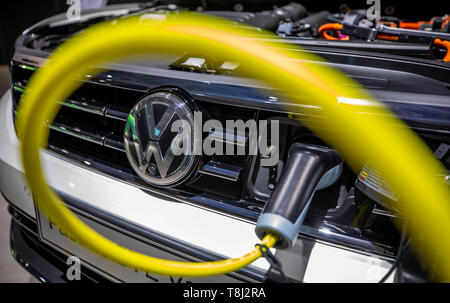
point(150, 137)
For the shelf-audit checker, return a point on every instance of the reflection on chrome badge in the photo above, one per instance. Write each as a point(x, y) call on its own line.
point(149, 139)
point(164, 138)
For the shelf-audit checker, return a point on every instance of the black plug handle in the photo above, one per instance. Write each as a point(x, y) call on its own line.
point(308, 168)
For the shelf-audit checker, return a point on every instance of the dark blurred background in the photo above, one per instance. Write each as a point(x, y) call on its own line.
point(17, 15)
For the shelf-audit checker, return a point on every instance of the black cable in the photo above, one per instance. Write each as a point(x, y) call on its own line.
point(401, 247)
point(273, 261)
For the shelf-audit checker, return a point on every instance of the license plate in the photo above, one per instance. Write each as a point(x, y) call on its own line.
point(51, 235)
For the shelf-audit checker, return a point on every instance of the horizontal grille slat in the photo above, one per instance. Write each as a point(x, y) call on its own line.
point(109, 111)
point(115, 142)
point(77, 132)
point(221, 170)
point(86, 116)
point(118, 113)
point(84, 106)
point(91, 160)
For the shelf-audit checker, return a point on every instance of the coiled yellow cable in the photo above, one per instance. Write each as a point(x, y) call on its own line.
point(393, 149)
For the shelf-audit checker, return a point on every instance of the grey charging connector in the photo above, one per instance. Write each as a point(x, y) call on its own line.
point(308, 168)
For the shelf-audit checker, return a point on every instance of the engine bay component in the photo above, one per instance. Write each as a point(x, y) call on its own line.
point(355, 25)
point(372, 184)
point(270, 21)
point(389, 34)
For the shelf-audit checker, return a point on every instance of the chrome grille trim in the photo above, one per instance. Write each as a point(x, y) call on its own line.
point(78, 133)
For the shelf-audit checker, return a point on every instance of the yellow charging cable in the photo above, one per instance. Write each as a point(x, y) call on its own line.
point(350, 115)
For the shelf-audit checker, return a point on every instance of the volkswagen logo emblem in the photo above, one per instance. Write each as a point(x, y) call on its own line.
point(148, 138)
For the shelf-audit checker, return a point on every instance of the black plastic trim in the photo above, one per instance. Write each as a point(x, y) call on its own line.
point(41, 261)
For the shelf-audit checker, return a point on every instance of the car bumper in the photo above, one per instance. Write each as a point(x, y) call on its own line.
point(158, 226)
point(43, 262)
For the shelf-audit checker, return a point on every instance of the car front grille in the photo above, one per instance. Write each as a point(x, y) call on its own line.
point(89, 129)
point(90, 121)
